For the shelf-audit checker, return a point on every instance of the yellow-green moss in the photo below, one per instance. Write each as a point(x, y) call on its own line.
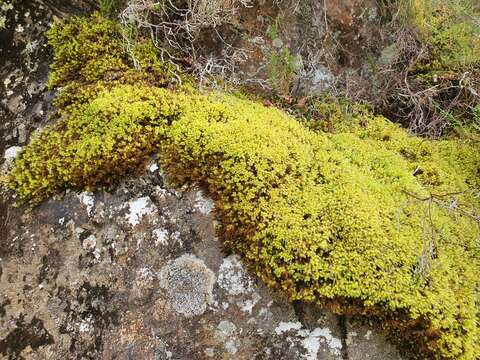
point(345, 219)
point(326, 217)
point(5, 7)
point(96, 144)
point(450, 28)
point(89, 57)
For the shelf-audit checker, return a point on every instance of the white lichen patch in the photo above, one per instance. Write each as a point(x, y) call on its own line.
point(287, 326)
point(203, 204)
point(188, 283)
point(225, 330)
point(310, 340)
point(209, 352)
point(145, 278)
point(86, 325)
point(248, 305)
point(88, 200)
point(153, 167)
point(90, 243)
point(311, 345)
point(145, 274)
point(160, 237)
point(231, 346)
point(12, 152)
point(233, 278)
point(138, 208)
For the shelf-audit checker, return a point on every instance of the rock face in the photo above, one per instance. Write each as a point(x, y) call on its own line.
point(135, 272)
point(79, 279)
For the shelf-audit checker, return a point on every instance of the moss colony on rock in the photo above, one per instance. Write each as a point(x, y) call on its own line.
point(361, 221)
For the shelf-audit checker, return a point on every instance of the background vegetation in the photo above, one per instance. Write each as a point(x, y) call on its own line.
point(434, 67)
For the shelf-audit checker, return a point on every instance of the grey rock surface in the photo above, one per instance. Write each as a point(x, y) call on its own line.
point(136, 272)
point(80, 280)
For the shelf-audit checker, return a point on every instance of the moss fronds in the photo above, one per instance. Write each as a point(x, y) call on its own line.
point(89, 57)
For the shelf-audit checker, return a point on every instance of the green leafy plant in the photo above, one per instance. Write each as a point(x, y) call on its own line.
point(281, 69)
point(282, 63)
point(273, 29)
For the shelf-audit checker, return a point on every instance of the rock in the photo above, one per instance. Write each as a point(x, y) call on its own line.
point(88, 200)
point(153, 168)
point(168, 302)
point(16, 104)
point(22, 134)
point(226, 329)
point(90, 243)
point(161, 237)
point(202, 204)
point(362, 342)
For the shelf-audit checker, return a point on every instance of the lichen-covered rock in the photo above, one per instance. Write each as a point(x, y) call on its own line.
point(232, 277)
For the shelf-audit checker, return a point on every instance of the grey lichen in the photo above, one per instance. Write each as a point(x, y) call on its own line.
point(189, 285)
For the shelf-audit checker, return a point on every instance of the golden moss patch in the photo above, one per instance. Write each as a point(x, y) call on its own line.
point(89, 57)
point(367, 220)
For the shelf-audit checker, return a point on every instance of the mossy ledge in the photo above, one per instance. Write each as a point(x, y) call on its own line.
point(347, 220)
